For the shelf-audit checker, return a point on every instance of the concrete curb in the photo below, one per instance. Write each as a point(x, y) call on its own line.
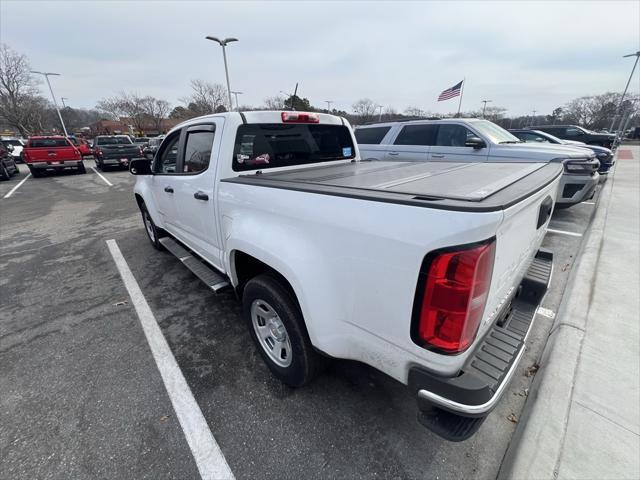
point(536, 446)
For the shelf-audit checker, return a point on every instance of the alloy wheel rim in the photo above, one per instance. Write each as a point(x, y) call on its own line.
point(149, 226)
point(271, 333)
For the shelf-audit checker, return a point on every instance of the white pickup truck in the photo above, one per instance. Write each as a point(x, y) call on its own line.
point(430, 272)
point(477, 140)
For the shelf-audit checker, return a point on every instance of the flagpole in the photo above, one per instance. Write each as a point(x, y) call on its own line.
point(461, 93)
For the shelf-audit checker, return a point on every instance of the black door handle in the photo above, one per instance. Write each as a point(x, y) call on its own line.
point(168, 189)
point(201, 196)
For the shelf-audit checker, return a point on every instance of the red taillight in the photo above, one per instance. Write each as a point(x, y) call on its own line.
point(98, 152)
point(455, 294)
point(300, 117)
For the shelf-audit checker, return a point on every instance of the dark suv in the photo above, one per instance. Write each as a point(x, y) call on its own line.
point(579, 134)
point(604, 155)
point(8, 165)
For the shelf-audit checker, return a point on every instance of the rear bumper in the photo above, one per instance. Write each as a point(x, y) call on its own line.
point(123, 161)
point(455, 407)
point(59, 165)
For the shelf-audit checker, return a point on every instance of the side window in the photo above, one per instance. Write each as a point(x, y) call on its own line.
point(532, 137)
point(167, 156)
point(371, 136)
point(416, 135)
point(197, 151)
point(574, 132)
point(453, 135)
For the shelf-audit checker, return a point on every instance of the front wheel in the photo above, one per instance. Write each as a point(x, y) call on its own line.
point(81, 168)
point(277, 327)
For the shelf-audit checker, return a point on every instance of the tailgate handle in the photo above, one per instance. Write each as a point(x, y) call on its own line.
point(437, 155)
point(394, 153)
point(545, 212)
point(168, 189)
point(201, 196)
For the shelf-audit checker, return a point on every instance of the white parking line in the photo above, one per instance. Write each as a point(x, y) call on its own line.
point(206, 452)
point(102, 177)
point(564, 232)
point(17, 186)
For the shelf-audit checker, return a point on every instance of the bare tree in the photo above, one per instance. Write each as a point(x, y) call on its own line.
point(275, 103)
point(414, 112)
point(20, 103)
point(206, 98)
point(156, 110)
point(365, 109)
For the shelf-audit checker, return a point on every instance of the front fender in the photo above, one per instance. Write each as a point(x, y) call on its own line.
point(143, 190)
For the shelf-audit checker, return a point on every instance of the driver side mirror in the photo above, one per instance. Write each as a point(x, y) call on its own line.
point(9, 148)
point(140, 166)
point(475, 142)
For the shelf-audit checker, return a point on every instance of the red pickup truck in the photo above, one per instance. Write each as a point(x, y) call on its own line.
point(52, 153)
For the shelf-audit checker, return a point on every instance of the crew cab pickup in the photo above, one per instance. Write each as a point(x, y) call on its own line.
point(428, 271)
point(115, 151)
point(475, 140)
point(52, 154)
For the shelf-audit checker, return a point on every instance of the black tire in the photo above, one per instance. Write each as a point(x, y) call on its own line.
point(35, 173)
point(4, 173)
point(154, 234)
point(99, 165)
point(305, 362)
point(81, 168)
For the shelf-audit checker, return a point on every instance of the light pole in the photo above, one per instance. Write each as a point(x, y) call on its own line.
point(63, 99)
point(237, 104)
point(635, 64)
point(223, 44)
point(380, 115)
point(46, 75)
point(328, 102)
point(484, 106)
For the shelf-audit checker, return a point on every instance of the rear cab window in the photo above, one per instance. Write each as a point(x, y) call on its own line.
point(371, 136)
point(113, 140)
point(48, 143)
point(270, 145)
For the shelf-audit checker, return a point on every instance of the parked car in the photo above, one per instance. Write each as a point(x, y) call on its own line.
point(152, 146)
point(142, 142)
point(578, 133)
point(604, 155)
point(115, 151)
point(8, 165)
point(82, 145)
point(17, 145)
point(428, 271)
point(52, 154)
point(475, 140)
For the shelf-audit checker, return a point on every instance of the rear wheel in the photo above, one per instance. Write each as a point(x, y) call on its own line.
point(4, 173)
point(277, 327)
point(81, 168)
point(153, 233)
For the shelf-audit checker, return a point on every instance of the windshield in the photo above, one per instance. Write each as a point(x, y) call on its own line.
point(548, 136)
point(495, 133)
point(15, 143)
point(261, 146)
point(113, 140)
point(140, 140)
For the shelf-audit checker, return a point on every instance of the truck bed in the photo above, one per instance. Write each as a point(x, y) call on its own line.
point(442, 185)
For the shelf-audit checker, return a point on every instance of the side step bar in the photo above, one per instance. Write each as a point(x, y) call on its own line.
point(214, 280)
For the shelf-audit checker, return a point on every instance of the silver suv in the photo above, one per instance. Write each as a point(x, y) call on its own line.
point(476, 140)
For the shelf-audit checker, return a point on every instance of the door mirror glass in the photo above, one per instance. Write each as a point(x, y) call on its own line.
point(140, 166)
point(475, 142)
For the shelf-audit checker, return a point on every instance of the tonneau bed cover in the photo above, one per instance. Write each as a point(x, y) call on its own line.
point(445, 185)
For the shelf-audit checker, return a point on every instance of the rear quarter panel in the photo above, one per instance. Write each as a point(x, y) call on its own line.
point(353, 265)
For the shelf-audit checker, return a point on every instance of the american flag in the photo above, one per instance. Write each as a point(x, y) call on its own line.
point(450, 92)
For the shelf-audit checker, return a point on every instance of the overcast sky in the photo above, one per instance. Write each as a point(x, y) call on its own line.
point(522, 55)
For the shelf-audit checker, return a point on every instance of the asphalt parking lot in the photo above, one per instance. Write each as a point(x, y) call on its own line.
point(82, 396)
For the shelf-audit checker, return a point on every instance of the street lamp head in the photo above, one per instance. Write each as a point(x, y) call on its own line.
point(222, 43)
point(44, 73)
point(637, 54)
